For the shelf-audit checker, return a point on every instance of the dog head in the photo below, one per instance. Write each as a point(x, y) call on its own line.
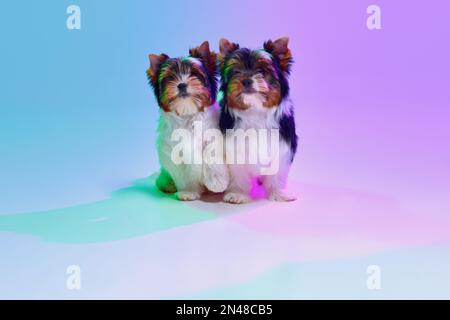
point(255, 77)
point(184, 85)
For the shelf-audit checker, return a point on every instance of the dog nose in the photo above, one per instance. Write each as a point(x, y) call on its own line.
point(182, 87)
point(247, 83)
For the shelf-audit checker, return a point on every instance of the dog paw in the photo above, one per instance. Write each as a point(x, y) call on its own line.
point(188, 195)
point(165, 184)
point(216, 181)
point(281, 197)
point(237, 198)
point(169, 188)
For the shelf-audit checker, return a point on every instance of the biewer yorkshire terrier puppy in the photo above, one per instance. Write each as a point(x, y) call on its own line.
point(255, 91)
point(186, 89)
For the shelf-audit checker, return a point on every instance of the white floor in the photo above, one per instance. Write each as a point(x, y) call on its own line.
point(139, 244)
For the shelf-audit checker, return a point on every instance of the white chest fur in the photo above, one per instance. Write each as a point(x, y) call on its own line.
point(184, 175)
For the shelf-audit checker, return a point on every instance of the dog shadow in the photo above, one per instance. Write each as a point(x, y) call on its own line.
point(141, 209)
point(137, 210)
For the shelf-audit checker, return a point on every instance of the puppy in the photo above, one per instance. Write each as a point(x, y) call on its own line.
point(186, 89)
point(255, 89)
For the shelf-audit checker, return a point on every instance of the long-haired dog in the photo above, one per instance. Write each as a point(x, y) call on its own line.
point(186, 89)
point(255, 89)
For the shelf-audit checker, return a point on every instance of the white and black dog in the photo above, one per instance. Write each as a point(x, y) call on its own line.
point(255, 89)
point(186, 89)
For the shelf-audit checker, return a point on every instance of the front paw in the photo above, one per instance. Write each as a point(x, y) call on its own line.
point(236, 198)
point(188, 195)
point(216, 181)
point(281, 196)
point(167, 188)
point(165, 183)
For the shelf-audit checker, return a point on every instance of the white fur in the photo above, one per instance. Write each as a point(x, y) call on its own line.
point(259, 117)
point(264, 54)
point(194, 60)
point(189, 180)
point(184, 107)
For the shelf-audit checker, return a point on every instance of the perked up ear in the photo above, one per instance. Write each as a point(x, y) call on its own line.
point(226, 47)
point(279, 48)
point(203, 53)
point(155, 63)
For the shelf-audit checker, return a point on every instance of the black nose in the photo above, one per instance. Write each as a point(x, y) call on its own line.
point(247, 83)
point(182, 87)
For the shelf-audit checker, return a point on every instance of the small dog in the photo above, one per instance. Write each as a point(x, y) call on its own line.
point(255, 89)
point(186, 89)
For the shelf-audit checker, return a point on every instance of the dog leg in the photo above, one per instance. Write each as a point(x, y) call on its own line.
point(165, 183)
point(240, 185)
point(274, 185)
point(215, 177)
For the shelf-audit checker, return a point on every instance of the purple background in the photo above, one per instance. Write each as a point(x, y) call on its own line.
point(79, 122)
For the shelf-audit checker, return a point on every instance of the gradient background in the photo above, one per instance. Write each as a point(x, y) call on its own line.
point(78, 125)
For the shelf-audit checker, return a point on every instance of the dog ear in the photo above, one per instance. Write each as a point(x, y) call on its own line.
point(226, 47)
point(279, 48)
point(155, 63)
point(203, 53)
